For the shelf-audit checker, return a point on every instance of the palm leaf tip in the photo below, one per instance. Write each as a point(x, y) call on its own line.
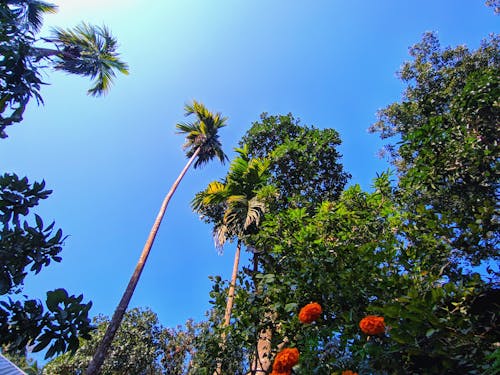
point(33, 12)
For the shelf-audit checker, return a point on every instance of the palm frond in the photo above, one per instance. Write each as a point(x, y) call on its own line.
point(220, 235)
point(30, 12)
point(202, 134)
point(89, 51)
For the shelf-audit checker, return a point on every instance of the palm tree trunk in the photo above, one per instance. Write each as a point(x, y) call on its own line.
point(261, 363)
point(230, 296)
point(99, 356)
point(230, 300)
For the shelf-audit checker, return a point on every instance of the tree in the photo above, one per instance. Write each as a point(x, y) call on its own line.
point(447, 127)
point(304, 160)
point(135, 351)
point(142, 346)
point(405, 251)
point(85, 50)
point(202, 145)
point(28, 245)
point(235, 207)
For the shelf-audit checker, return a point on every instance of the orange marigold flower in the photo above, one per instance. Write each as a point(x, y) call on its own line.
point(349, 372)
point(285, 360)
point(310, 312)
point(372, 325)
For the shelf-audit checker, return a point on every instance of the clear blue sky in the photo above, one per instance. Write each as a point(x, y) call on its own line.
point(111, 160)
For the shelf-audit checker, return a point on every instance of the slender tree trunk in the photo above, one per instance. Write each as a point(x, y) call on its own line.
point(95, 365)
point(230, 301)
point(230, 296)
point(262, 360)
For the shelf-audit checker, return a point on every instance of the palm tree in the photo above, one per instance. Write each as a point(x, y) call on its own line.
point(86, 50)
point(202, 145)
point(236, 207)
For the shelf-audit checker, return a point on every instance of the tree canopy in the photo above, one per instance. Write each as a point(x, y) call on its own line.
point(304, 160)
point(405, 254)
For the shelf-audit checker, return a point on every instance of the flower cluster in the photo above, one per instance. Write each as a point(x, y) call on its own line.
point(310, 312)
point(285, 360)
point(372, 325)
point(349, 372)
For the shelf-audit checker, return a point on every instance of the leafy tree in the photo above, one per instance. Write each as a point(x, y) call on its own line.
point(84, 50)
point(400, 251)
point(141, 346)
point(202, 145)
point(305, 168)
point(136, 349)
point(28, 245)
point(235, 207)
point(304, 160)
point(354, 257)
point(447, 132)
point(180, 347)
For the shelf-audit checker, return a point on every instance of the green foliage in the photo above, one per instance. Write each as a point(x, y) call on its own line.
point(28, 247)
point(19, 75)
point(84, 50)
point(236, 205)
point(202, 135)
point(141, 347)
point(88, 51)
point(447, 154)
point(405, 251)
point(445, 328)
point(304, 161)
point(135, 349)
point(23, 244)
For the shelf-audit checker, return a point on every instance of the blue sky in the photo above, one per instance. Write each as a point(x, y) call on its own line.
point(111, 160)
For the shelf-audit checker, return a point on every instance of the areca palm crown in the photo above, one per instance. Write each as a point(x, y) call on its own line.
point(202, 135)
point(89, 51)
point(85, 50)
point(202, 145)
point(235, 207)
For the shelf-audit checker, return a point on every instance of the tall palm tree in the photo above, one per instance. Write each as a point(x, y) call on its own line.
point(202, 145)
point(236, 207)
point(86, 50)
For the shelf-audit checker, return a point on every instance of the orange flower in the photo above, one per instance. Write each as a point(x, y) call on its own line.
point(281, 373)
point(310, 312)
point(372, 325)
point(285, 360)
point(349, 372)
